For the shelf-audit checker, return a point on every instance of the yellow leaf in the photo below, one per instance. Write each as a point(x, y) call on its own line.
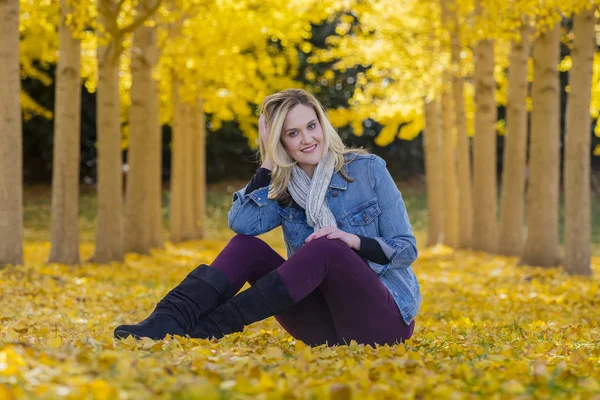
point(265, 382)
point(10, 361)
point(100, 389)
point(274, 352)
point(55, 342)
point(300, 345)
point(340, 391)
point(513, 387)
point(5, 393)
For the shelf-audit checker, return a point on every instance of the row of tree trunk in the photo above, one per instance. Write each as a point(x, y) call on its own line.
point(448, 157)
point(133, 225)
point(11, 141)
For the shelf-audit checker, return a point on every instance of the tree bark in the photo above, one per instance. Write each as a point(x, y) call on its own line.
point(176, 188)
point(465, 208)
point(451, 192)
point(484, 150)
point(187, 155)
point(577, 148)
point(64, 232)
point(154, 139)
point(432, 143)
point(137, 201)
point(450, 176)
point(199, 162)
point(11, 138)
point(510, 240)
point(109, 246)
point(541, 246)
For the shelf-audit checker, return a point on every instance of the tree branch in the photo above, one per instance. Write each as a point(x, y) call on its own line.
point(141, 18)
point(105, 9)
point(120, 6)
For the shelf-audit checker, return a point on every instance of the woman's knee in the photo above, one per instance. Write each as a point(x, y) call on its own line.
point(328, 247)
point(254, 254)
point(247, 242)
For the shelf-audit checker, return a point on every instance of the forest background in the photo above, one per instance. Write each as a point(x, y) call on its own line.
point(229, 153)
point(445, 91)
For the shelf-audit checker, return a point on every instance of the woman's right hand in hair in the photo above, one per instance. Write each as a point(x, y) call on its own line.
point(263, 134)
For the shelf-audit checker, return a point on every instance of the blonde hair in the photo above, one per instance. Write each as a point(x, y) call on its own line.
point(275, 108)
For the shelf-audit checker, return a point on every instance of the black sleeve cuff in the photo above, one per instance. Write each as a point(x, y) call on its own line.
point(371, 250)
point(261, 179)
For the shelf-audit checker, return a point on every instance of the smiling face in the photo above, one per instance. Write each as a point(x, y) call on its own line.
point(302, 137)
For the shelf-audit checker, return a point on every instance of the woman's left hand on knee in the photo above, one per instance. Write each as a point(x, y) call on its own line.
point(332, 232)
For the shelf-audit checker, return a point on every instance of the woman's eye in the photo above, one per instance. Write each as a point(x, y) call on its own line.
point(314, 125)
point(293, 133)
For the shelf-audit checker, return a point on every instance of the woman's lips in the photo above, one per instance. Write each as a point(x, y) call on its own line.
point(310, 149)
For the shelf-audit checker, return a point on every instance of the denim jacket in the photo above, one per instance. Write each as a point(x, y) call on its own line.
point(369, 206)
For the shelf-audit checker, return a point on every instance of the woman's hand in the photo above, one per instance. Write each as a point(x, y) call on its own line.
point(332, 232)
point(263, 134)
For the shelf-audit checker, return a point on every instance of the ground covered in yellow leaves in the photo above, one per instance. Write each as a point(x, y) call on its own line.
point(486, 329)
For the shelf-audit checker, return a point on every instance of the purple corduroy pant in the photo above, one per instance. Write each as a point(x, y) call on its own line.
point(338, 296)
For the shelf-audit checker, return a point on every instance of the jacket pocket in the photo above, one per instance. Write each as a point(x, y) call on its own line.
point(365, 213)
point(363, 218)
point(293, 220)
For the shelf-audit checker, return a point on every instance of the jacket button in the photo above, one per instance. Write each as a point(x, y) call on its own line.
point(335, 194)
point(365, 217)
point(292, 216)
point(340, 223)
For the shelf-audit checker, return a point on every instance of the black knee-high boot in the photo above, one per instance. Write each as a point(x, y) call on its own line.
point(178, 312)
point(267, 297)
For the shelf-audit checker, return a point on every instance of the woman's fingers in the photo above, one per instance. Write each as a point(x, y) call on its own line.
point(321, 232)
point(335, 234)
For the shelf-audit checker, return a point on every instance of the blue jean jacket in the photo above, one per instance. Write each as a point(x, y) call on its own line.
point(369, 206)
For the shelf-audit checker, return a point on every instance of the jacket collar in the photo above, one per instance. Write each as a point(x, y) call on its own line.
point(338, 181)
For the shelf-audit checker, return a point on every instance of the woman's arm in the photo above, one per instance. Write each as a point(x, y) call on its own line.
point(261, 179)
point(252, 213)
point(396, 236)
point(371, 250)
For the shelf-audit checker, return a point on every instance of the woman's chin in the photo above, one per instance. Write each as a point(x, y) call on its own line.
point(309, 161)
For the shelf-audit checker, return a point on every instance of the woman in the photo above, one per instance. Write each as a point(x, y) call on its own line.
point(348, 239)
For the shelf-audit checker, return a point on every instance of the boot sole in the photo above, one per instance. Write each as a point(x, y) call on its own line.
point(121, 334)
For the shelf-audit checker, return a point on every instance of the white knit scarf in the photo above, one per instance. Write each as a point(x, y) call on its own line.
point(310, 193)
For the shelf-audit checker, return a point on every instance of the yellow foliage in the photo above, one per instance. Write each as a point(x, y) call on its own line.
point(31, 108)
point(486, 329)
point(412, 129)
point(387, 134)
point(565, 64)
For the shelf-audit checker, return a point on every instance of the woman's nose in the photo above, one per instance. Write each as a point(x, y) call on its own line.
point(306, 137)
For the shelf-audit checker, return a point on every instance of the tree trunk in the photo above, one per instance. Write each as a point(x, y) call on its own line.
point(199, 162)
point(64, 230)
point(465, 209)
point(541, 246)
point(187, 155)
point(109, 246)
point(450, 177)
point(137, 201)
point(11, 138)
point(432, 142)
point(176, 184)
point(577, 148)
point(484, 150)
point(154, 138)
point(510, 240)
